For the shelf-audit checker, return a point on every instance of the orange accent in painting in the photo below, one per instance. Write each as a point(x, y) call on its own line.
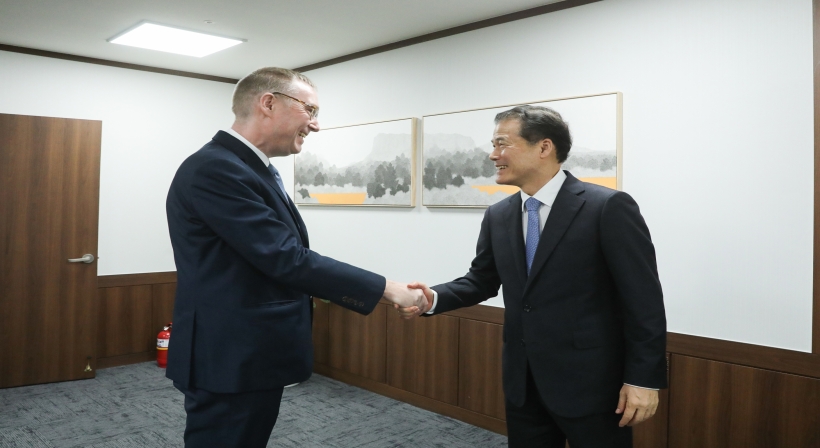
point(609, 182)
point(493, 189)
point(340, 198)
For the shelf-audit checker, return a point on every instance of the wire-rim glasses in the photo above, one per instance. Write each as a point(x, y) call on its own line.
point(311, 110)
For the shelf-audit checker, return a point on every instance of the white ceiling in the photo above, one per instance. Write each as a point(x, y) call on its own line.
point(284, 33)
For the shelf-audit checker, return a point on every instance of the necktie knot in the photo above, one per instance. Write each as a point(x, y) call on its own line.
point(532, 204)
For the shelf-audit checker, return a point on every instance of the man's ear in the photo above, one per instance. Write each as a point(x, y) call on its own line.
point(266, 101)
point(547, 148)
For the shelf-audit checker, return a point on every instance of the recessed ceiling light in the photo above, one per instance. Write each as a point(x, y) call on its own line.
point(173, 40)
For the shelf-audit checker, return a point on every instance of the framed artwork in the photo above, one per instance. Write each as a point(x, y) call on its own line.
point(457, 171)
point(369, 164)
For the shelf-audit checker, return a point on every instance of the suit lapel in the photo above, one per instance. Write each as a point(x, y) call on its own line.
point(566, 206)
point(512, 216)
point(252, 160)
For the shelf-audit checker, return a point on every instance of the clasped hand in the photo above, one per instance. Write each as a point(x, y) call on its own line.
point(409, 300)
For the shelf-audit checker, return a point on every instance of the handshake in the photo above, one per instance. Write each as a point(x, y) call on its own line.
point(410, 300)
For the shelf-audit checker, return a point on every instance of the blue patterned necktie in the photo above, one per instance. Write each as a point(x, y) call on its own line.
point(278, 178)
point(533, 229)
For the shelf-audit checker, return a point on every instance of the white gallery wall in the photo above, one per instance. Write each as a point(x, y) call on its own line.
point(150, 124)
point(717, 147)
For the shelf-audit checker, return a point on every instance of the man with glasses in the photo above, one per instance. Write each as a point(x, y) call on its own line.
point(243, 310)
point(584, 321)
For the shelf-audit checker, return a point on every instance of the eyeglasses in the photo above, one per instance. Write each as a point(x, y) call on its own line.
point(311, 110)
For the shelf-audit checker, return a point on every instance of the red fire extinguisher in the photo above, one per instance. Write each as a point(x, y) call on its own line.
point(163, 338)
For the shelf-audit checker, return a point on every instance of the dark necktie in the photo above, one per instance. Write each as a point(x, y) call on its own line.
point(533, 229)
point(278, 178)
point(290, 203)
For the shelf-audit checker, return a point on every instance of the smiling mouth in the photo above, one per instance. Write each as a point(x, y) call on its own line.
point(500, 167)
point(302, 134)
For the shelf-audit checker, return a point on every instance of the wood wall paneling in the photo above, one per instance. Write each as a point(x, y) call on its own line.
point(481, 313)
point(125, 321)
point(778, 359)
point(787, 361)
point(321, 332)
point(715, 404)
point(357, 342)
point(162, 304)
point(479, 373)
point(422, 356)
point(439, 407)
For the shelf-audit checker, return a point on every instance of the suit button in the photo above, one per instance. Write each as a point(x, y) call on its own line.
point(527, 308)
point(522, 343)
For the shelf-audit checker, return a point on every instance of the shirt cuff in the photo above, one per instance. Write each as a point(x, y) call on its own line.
point(435, 301)
point(640, 387)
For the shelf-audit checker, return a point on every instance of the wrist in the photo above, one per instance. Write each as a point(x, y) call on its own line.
point(390, 290)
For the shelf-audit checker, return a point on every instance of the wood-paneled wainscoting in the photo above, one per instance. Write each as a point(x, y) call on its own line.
point(131, 310)
point(722, 394)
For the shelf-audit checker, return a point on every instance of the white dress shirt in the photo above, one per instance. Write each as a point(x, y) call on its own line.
point(258, 152)
point(546, 195)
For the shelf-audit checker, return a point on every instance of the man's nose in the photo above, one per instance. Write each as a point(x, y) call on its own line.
point(314, 126)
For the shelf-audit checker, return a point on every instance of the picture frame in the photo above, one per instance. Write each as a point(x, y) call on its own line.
point(457, 171)
point(369, 165)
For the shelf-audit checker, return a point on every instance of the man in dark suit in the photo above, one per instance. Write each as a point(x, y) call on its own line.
point(243, 310)
point(584, 326)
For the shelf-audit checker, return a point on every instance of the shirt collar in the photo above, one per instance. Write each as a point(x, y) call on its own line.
point(546, 195)
point(242, 139)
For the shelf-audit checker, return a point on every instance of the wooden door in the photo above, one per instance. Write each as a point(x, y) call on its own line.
point(49, 200)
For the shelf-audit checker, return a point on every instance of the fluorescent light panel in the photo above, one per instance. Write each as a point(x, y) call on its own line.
point(173, 40)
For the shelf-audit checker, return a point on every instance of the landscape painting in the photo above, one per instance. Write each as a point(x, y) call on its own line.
point(368, 165)
point(457, 171)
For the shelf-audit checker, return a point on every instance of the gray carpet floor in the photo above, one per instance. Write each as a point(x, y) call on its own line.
point(136, 406)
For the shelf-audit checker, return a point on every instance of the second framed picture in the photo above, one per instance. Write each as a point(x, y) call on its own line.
point(369, 164)
point(457, 170)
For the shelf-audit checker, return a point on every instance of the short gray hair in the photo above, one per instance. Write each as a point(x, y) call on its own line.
point(266, 79)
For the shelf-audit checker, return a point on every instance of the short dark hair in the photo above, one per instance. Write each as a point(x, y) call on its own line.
point(538, 123)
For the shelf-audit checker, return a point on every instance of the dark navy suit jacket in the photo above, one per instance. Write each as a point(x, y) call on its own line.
point(245, 274)
point(589, 317)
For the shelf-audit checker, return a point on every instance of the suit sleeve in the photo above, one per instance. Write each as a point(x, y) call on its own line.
point(479, 284)
point(223, 196)
point(630, 256)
